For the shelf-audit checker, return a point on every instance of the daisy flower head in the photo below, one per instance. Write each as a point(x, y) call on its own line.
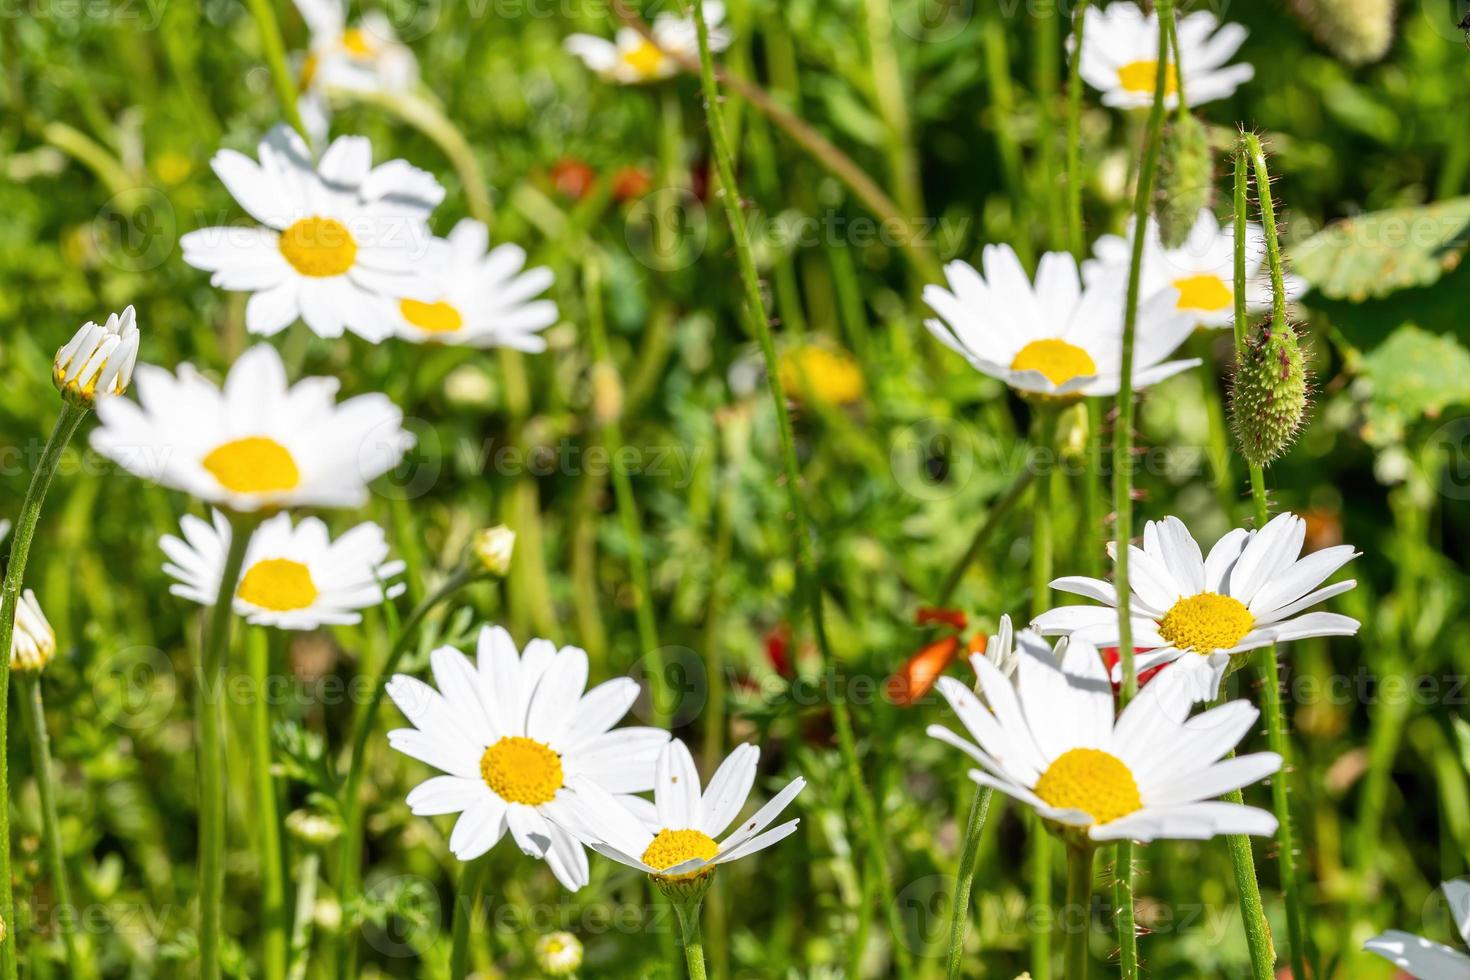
point(1251, 591)
point(519, 739)
point(1053, 741)
point(336, 237)
point(483, 297)
point(676, 840)
point(632, 59)
point(295, 577)
point(33, 641)
point(1423, 959)
point(1120, 51)
point(98, 360)
point(257, 443)
point(1202, 270)
point(1053, 340)
point(366, 58)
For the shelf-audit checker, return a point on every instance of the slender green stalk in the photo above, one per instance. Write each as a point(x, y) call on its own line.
point(210, 720)
point(275, 57)
point(33, 717)
point(1044, 80)
point(959, 918)
point(20, 549)
point(466, 899)
point(693, 940)
point(889, 92)
point(274, 940)
point(1040, 841)
point(1076, 236)
point(1002, 105)
point(1079, 902)
point(307, 878)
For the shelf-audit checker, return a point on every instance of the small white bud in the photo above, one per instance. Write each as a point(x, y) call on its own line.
point(98, 360)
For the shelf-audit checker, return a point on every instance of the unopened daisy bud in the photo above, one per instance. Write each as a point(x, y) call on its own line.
point(310, 827)
point(1186, 180)
point(1268, 397)
point(1357, 31)
point(493, 548)
point(33, 643)
point(98, 360)
point(687, 890)
point(559, 954)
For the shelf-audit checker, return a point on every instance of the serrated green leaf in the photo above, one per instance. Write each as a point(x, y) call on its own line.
point(1376, 254)
point(1412, 375)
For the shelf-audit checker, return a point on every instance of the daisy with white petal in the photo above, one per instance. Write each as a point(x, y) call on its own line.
point(1120, 51)
point(1251, 591)
point(337, 236)
point(676, 839)
point(520, 739)
point(1422, 958)
point(484, 297)
point(296, 577)
point(1053, 741)
point(1202, 269)
point(33, 641)
point(1000, 650)
point(633, 59)
point(367, 58)
point(98, 360)
point(1055, 339)
point(257, 443)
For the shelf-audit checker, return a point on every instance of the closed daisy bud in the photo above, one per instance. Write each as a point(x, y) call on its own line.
point(493, 547)
point(98, 359)
point(1186, 180)
point(33, 643)
point(1357, 31)
point(1268, 397)
point(558, 954)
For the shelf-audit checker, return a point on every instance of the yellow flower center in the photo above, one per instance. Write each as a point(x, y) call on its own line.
point(319, 247)
point(279, 584)
point(522, 770)
point(255, 464)
point(1139, 76)
point(673, 847)
point(1057, 360)
point(1093, 781)
point(646, 59)
point(831, 377)
point(1203, 292)
point(358, 42)
point(1206, 622)
point(440, 317)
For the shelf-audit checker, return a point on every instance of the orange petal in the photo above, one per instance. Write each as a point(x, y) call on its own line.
point(917, 676)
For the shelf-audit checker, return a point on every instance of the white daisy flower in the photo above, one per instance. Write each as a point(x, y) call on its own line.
point(1202, 269)
point(559, 954)
point(337, 237)
point(294, 577)
point(98, 360)
point(367, 58)
point(1052, 741)
point(1426, 960)
point(633, 59)
point(521, 739)
point(1120, 53)
point(1247, 594)
point(676, 838)
point(485, 297)
point(32, 641)
point(257, 443)
point(1054, 339)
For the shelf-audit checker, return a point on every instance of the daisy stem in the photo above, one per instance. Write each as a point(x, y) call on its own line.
point(273, 945)
point(20, 549)
point(1076, 238)
point(33, 716)
point(959, 919)
point(210, 719)
point(1044, 80)
point(466, 899)
point(264, 14)
point(688, 913)
point(1043, 458)
point(808, 585)
point(1079, 903)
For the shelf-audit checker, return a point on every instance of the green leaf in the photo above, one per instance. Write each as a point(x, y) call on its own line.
point(1379, 253)
point(1413, 375)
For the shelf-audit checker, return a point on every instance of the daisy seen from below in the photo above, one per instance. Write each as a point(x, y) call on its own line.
point(1202, 269)
point(484, 297)
point(1422, 958)
point(33, 641)
point(295, 577)
point(519, 739)
point(1053, 339)
point(98, 360)
point(1120, 51)
point(335, 238)
point(676, 839)
point(1251, 591)
point(1053, 741)
point(632, 59)
point(255, 443)
point(366, 58)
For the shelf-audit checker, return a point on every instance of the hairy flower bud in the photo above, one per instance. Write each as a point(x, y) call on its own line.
point(33, 642)
point(1186, 179)
point(493, 548)
point(1359, 32)
point(1268, 397)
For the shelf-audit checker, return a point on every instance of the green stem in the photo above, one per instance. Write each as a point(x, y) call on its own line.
point(20, 549)
point(1044, 81)
point(274, 940)
point(1079, 902)
point(1003, 114)
point(959, 919)
point(307, 876)
point(275, 56)
point(1076, 239)
point(1044, 450)
point(471, 881)
point(890, 93)
point(688, 914)
point(33, 717)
